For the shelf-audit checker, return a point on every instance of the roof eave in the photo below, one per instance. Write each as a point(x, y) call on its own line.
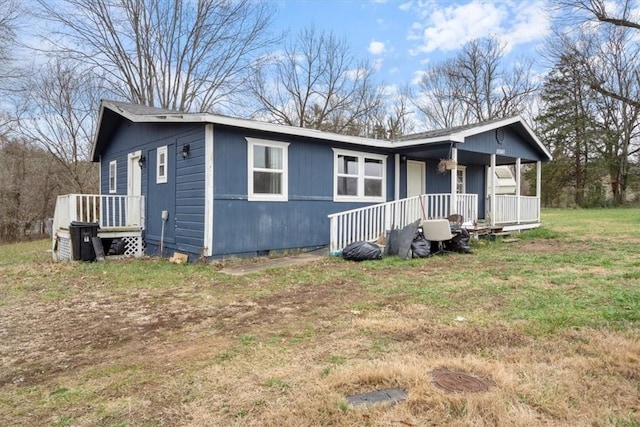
point(247, 124)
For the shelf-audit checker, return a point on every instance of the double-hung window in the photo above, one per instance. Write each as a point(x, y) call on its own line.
point(267, 165)
point(161, 165)
point(113, 174)
point(461, 180)
point(359, 177)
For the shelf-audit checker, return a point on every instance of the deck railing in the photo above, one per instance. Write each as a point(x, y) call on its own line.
point(371, 222)
point(516, 209)
point(109, 211)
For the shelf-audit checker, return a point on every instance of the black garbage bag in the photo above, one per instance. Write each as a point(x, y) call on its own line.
point(459, 243)
point(420, 247)
point(361, 251)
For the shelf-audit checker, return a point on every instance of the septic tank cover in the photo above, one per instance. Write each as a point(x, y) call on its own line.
point(458, 382)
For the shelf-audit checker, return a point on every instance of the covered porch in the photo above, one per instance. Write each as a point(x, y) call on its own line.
point(117, 217)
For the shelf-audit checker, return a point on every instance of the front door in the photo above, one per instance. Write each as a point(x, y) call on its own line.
point(416, 178)
point(134, 188)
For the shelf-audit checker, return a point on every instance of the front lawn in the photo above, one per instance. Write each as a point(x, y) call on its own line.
point(549, 321)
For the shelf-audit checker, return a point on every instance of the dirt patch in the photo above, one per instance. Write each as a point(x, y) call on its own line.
point(53, 336)
point(549, 246)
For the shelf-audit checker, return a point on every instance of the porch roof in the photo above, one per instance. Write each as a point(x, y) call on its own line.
point(438, 142)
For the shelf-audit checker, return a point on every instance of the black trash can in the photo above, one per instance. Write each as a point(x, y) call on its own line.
point(81, 244)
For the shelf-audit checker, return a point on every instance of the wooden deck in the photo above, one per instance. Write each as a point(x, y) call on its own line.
point(117, 217)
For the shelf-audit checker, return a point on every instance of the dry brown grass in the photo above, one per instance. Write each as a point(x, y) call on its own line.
point(285, 347)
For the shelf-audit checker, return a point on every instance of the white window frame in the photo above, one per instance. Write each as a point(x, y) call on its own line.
point(161, 178)
point(463, 171)
point(113, 176)
point(262, 197)
point(361, 156)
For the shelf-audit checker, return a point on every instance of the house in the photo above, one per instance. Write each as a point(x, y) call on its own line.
point(215, 186)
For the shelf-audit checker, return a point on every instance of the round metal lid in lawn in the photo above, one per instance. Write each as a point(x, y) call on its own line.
point(458, 382)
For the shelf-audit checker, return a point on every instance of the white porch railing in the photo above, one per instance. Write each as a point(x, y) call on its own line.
point(109, 211)
point(516, 209)
point(371, 222)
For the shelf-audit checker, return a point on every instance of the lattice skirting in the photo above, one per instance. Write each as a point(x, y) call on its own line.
point(64, 249)
point(134, 246)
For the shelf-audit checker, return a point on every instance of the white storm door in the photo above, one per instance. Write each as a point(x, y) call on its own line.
point(416, 178)
point(134, 188)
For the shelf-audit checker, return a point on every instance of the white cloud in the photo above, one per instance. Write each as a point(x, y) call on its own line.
point(376, 47)
point(448, 28)
point(417, 76)
point(377, 64)
point(406, 6)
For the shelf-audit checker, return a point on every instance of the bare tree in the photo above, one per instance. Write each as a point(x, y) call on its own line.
point(27, 192)
point(182, 55)
point(8, 16)
point(393, 118)
point(604, 49)
point(317, 83)
point(439, 100)
point(475, 86)
point(583, 41)
point(58, 114)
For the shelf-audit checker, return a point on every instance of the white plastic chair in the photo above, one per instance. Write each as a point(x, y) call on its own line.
point(437, 230)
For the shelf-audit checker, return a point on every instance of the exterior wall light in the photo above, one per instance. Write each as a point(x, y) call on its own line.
point(141, 161)
point(185, 151)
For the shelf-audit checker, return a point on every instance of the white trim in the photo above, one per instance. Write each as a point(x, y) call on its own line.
point(518, 173)
point(453, 135)
point(492, 192)
point(453, 181)
point(100, 176)
point(132, 162)
point(361, 156)
point(396, 180)
point(161, 177)
point(284, 172)
point(113, 174)
point(208, 190)
point(539, 185)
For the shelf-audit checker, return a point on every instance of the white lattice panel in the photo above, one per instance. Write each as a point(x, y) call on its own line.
point(64, 249)
point(134, 246)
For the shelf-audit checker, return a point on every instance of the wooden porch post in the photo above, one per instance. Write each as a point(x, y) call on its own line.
point(518, 201)
point(396, 184)
point(453, 207)
point(539, 185)
point(492, 192)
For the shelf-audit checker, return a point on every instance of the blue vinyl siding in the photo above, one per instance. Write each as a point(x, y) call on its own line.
point(183, 193)
point(476, 184)
point(243, 227)
point(512, 145)
point(190, 193)
point(437, 182)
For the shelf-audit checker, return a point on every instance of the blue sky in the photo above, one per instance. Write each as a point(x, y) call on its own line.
point(402, 37)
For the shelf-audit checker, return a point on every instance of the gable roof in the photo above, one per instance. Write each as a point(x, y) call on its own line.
point(459, 133)
point(113, 112)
